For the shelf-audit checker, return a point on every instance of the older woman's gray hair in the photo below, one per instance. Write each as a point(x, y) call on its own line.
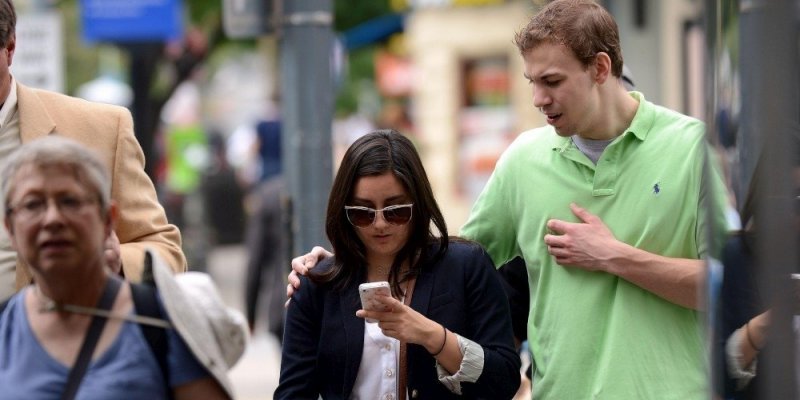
point(55, 150)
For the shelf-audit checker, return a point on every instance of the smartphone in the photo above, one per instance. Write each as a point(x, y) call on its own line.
point(369, 291)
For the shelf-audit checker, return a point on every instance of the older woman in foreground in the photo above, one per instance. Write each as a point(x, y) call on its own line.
point(58, 214)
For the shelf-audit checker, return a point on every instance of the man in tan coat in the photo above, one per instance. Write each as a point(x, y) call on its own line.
point(27, 114)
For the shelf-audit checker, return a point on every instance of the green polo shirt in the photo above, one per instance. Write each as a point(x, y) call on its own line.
point(593, 335)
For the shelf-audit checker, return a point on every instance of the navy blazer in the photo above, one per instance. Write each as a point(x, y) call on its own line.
point(323, 338)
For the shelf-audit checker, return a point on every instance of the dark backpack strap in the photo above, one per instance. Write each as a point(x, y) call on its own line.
point(78, 370)
point(146, 303)
point(4, 304)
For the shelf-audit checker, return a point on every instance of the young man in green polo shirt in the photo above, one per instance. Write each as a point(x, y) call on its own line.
point(609, 207)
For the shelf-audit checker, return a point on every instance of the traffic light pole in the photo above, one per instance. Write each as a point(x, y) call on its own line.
point(306, 42)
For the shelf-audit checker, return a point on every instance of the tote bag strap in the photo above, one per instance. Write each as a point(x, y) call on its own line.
point(402, 379)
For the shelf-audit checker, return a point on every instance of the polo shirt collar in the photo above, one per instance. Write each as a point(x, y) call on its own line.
point(643, 119)
point(639, 127)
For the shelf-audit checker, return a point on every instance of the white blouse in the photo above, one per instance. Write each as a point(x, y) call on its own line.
point(381, 353)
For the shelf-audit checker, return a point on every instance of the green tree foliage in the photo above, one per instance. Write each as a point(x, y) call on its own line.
point(82, 59)
point(360, 62)
point(350, 13)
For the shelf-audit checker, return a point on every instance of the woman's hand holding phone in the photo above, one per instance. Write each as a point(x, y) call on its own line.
point(398, 320)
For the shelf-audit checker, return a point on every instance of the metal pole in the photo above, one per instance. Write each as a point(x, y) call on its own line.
point(143, 59)
point(768, 61)
point(776, 118)
point(306, 42)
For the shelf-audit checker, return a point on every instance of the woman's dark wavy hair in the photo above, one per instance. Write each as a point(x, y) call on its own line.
point(375, 154)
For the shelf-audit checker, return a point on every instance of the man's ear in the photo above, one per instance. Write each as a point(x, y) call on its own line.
point(111, 217)
point(11, 47)
point(602, 67)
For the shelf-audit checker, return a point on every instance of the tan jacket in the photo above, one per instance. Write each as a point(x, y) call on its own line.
point(108, 130)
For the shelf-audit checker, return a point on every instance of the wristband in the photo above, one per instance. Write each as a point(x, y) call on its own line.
point(444, 342)
point(750, 339)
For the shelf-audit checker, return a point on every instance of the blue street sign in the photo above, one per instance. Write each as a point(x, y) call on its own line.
point(131, 20)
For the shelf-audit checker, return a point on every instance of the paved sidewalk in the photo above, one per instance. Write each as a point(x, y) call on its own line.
point(255, 376)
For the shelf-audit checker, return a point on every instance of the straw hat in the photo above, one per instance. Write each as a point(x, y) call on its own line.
point(216, 334)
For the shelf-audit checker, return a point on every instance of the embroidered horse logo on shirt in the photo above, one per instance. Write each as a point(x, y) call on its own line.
point(657, 188)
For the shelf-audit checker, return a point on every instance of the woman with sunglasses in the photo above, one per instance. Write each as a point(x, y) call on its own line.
point(447, 329)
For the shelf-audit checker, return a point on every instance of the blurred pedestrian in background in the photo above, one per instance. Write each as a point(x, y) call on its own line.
point(28, 113)
point(186, 160)
point(267, 237)
point(223, 197)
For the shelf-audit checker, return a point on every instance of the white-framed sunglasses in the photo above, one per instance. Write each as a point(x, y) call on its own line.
point(362, 217)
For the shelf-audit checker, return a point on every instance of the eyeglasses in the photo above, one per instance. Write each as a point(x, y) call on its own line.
point(363, 217)
point(34, 208)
